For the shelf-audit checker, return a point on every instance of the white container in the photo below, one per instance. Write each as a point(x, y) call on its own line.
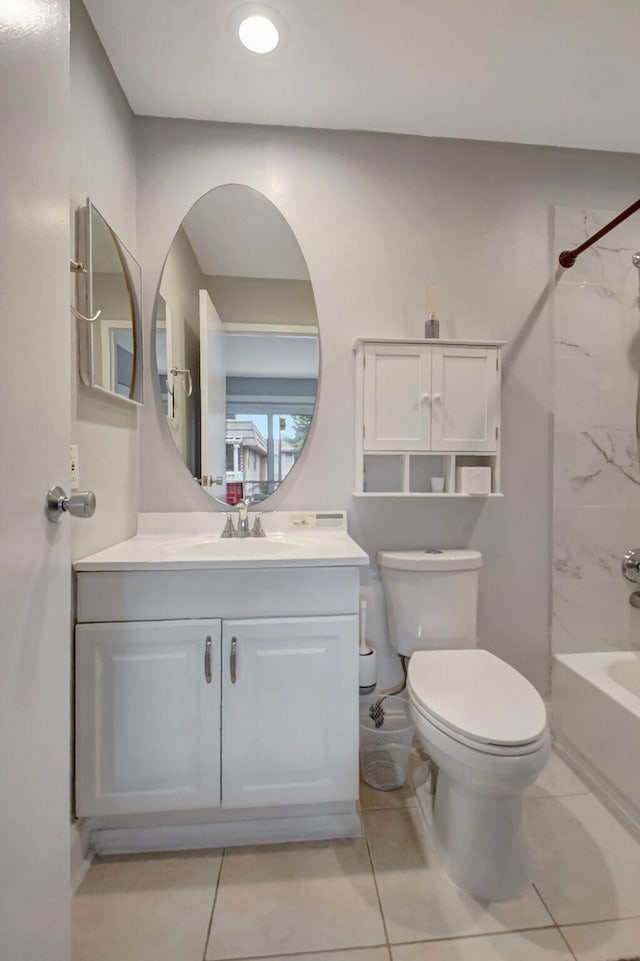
point(437, 485)
point(473, 480)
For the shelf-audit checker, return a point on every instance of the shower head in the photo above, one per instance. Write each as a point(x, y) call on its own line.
point(635, 260)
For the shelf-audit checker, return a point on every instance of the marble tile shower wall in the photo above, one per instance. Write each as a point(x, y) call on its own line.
point(596, 488)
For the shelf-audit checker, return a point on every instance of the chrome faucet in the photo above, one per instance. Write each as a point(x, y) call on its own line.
point(243, 518)
point(242, 530)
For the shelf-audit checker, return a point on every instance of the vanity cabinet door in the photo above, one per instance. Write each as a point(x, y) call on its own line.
point(464, 405)
point(147, 716)
point(397, 397)
point(290, 711)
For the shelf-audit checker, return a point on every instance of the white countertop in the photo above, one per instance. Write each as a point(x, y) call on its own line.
point(191, 541)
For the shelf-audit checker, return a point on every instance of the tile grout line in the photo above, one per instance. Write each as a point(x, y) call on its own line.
point(551, 797)
point(377, 890)
point(307, 954)
point(546, 906)
point(555, 923)
point(569, 948)
point(580, 924)
point(213, 906)
point(474, 936)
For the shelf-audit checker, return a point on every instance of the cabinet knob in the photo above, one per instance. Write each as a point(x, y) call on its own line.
point(426, 397)
point(437, 397)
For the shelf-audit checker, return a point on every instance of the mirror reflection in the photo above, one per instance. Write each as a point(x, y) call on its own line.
point(237, 344)
point(110, 344)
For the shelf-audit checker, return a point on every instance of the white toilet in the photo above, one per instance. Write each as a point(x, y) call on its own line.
point(482, 723)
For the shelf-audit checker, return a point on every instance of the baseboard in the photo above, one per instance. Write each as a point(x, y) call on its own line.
point(174, 837)
point(601, 788)
point(80, 853)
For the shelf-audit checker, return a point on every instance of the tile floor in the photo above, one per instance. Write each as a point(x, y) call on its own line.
point(384, 897)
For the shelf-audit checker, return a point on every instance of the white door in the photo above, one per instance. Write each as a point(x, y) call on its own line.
point(289, 711)
point(35, 600)
point(213, 398)
point(147, 716)
point(464, 409)
point(397, 385)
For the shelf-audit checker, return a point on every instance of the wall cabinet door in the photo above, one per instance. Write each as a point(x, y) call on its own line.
point(147, 716)
point(397, 387)
point(290, 711)
point(464, 406)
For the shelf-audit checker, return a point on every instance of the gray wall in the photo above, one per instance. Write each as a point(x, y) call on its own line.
point(103, 167)
point(377, 217)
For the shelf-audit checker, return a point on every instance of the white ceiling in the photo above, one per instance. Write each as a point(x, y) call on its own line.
point(560, 72)
point(235, 231)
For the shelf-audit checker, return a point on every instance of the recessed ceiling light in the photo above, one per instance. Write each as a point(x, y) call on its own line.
point(259, 34)
point(256, 27)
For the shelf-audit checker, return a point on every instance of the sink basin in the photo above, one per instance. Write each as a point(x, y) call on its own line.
point(241, 547)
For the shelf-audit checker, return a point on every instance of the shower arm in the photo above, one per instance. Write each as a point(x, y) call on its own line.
point(568, 257)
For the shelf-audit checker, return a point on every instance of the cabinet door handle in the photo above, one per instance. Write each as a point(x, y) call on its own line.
point(426, 397)
point(437, 396)
point(207, 660)
point(232, 660)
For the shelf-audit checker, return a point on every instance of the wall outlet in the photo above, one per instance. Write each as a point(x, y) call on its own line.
point(74, 467)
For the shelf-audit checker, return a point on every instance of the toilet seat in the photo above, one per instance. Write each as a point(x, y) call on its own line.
point(478, 700)
point(480, 747)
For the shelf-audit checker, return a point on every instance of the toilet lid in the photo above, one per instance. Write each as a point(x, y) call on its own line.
point(476, 694)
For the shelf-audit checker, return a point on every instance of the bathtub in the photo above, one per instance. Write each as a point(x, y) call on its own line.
point(596, 721)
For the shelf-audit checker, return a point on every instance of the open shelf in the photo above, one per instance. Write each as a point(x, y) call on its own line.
point(402, 474)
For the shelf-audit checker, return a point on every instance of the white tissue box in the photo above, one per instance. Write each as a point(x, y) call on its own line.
point(473, 480)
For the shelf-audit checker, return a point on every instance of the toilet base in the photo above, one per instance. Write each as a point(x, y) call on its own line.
point(482, 838)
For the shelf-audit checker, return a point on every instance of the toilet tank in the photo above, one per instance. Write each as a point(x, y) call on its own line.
point(431, 598)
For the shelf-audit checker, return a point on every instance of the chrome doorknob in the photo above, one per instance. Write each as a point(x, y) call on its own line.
point(631, 565)
point(78, 504)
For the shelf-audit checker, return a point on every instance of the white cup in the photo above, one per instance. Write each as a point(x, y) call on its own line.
point(437, 485)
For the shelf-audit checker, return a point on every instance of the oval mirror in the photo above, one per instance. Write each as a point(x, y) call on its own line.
point(237, 344)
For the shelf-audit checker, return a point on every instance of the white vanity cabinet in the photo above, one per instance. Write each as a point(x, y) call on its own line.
point(177, 713)
point(288, 711)
point(147, 716)
point(217, 684)
point(424, 408)
point(164, 724)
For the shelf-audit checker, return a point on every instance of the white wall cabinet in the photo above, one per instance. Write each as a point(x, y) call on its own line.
point(289, 711)
point(165, 723)
point(397, 393)
point(147, 716)
point(425, 408)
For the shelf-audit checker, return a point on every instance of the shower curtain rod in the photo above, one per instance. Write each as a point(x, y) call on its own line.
point(568, 257)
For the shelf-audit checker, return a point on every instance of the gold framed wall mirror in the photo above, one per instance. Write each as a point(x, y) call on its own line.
point(109, 295)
